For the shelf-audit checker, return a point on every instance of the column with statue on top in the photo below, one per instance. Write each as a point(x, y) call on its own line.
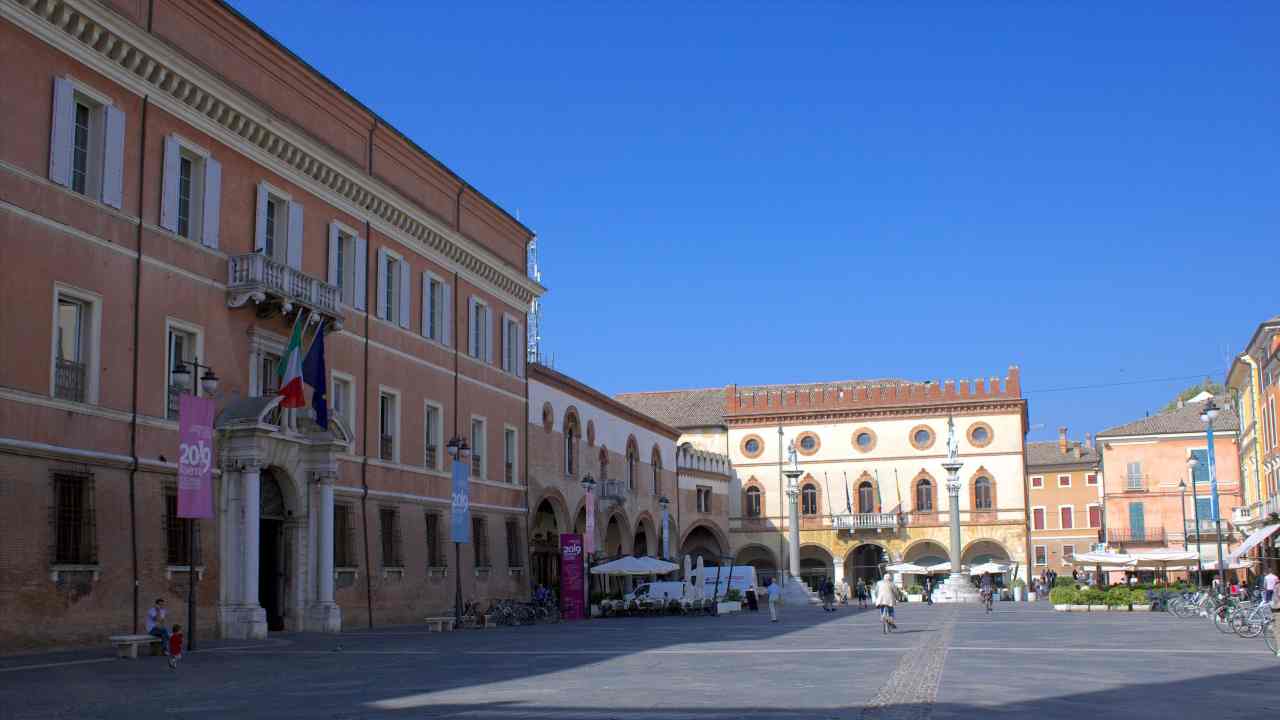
point(957, 587)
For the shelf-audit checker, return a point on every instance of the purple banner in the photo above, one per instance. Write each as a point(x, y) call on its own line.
point(572, 599)
point(195, 457)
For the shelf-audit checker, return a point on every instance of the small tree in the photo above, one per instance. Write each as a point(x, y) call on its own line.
point(1208, 385)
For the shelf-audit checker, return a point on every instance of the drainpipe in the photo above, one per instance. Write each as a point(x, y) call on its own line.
point(133, 412)
point(364, 457)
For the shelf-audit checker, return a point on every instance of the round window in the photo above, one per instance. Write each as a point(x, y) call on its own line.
point(864, 439)
point(981, 434)
point(808, 442)
point(752, 446)
point(923, 436)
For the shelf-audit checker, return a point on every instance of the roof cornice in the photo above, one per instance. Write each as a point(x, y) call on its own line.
point(147, 66)
point(871, 413)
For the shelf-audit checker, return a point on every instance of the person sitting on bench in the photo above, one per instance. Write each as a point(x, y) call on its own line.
point(156, 626)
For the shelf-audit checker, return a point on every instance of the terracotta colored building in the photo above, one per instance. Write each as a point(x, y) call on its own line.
point(178, 187)
point(873, 489)
point(1254, 382)
point(1064, 492)
point(1149, 486)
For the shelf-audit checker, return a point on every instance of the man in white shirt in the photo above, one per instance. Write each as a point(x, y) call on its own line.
point(775, 595)
point(156, 625)
point(1269, 583)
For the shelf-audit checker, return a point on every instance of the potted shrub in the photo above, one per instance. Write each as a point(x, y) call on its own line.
point(1062, 598)
point(1020, 589)
point(1117, 598)
point(915, 593)
point(1095, 598)
point(1138, 601)
point(732, 602)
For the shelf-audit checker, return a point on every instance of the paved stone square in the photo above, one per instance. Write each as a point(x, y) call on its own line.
point(947, 662)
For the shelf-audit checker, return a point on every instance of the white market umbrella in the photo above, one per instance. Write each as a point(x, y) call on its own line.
point(907, 568)
point(629, 565)
point(1243, 564)
point(942, 567)
point(1104, 559)
point(1163, 559)
point(658, 567)
point(992, 568)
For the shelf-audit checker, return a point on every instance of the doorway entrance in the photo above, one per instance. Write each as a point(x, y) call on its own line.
point(865, 562)
point(271, 551)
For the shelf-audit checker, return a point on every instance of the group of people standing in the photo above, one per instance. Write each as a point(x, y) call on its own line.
point(883, 594)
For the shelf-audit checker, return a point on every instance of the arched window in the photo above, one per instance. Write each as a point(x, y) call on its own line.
point(866, 497)
point(753, 502)
point(982, 494)
point(924, 495)
point(809, 499)
point(570, 445)
point(631, 468)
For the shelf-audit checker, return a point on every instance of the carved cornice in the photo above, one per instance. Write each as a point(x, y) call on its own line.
point(144, 64)
point(804, 417)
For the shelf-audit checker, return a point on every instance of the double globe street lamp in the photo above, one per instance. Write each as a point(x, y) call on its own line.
point(458, 450)
point(1207, 416)
point(588, 486)
point(181, 378)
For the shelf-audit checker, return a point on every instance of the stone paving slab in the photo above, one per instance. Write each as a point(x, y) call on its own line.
point(946, 662)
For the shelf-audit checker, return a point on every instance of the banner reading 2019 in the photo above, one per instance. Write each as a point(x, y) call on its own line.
point(572, 602)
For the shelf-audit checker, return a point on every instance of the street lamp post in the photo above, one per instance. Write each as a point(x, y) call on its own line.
point(1182, 490)
point(458, 450)
point(664, 503)
point(588, 485)
point(209, 384)
point(1191, 467)
point(1207, 417)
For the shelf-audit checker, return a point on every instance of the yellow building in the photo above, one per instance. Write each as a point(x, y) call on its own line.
point(873, 490)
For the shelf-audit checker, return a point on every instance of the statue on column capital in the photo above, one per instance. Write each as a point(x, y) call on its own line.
point(792, 456)
point(953, 445)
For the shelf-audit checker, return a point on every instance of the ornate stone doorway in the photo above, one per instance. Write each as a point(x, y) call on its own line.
point(272, 551)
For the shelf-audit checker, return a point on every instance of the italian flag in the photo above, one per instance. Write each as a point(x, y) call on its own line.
point(290, 370)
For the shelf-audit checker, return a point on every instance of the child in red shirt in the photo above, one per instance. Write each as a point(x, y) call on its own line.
point(175, 647)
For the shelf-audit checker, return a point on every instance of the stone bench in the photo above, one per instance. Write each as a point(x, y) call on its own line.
point(439, 624)
point(127, 645)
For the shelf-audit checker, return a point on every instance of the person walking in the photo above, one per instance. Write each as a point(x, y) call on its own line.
point(753, 603)
point(775, 595)
point(828, 596)
point(987, 591)
point(862, 593)
point(1269, 582)
point(928, 591)
point(175, 647)
point(885, 598)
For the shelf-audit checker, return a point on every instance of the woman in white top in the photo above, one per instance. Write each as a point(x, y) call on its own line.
point(885, 596)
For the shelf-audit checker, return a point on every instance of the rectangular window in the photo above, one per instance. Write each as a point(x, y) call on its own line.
point(274, 208)
point(1204, 508)
point(389, 529)
point(176, 529)
point(1037, 481)
point(514, 557)
point(182, 353)
point(1064, 481)
point(1091, 479)
point(435, 544)
point(74, 528)
point(480, 331)
point(80, 149)
point(71, 361)
point(1095, 516)
point(509, 454)
point(86, 148)
point(478, 448)
point(1068, 553)
point(1133, 476)
point(704, 499)
point(343, 533)
point(434, 310)
point(1137, 521)
point(480, 541)
point(184, 196)
point(391, 288)
point(342, 401)
point(1066, 516)
point(388, 426)
point(432, 434)
point(344, 251)
point(268, 375)
point(512, 345)
point(1037, 519)
point(1042, 555)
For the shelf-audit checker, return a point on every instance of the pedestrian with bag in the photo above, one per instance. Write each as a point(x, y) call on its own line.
point(775, 597)
point(885, 598)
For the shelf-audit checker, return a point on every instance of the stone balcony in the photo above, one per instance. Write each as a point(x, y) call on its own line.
point(865, 521)
point(275, 287)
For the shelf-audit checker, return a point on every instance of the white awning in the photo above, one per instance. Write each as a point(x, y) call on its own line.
point(1252, 541)
point(1101, 558)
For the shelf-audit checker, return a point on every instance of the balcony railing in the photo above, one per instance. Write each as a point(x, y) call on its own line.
point(477, 466)
point(175, 402)
point(256, 276)
point(865, 521)
point(510, 473)
point(69, 380)
point(1135, 483)
point(615, 490)
point(1205, 527)
point(387, 448)
point(1135, 535)
point(431, 456)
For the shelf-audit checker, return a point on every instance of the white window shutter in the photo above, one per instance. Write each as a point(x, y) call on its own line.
point(406, 285)
point(260, 220)
point(381, 290)
point(488, 338)
point(362, 272)
point(169, 185)
point(334, 239)
point(506, 343)
point(113, 158)
point(294, 257)
point(472, 350)
point(446, 331)
point(63, 133)
point(426, 305)
point(520, 350)
point(212, 202)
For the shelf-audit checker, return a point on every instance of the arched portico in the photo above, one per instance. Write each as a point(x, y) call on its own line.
point(866, 561)
point(759, 557)
point(701, 541)
point(815, 565)
point(984, 550)
point(544, 543)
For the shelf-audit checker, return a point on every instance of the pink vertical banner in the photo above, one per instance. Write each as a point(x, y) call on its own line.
point(589, 539)
point(572, 601)
point(195, 457)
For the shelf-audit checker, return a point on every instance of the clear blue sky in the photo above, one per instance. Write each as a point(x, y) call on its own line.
point(757, 193)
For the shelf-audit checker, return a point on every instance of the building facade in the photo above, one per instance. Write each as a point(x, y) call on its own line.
point(1064, 493)
point(1153, 497)
point(640, 474)
point(1254, 382)
point(873, 488)
point(179, 189)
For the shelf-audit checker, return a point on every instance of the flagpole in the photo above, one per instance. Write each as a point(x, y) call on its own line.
point(848, 499)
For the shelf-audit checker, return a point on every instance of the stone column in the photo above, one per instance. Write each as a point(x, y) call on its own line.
point(837, 568)
point(793, 532)
point(251, 503)
point(324, 553)
point(953, 490)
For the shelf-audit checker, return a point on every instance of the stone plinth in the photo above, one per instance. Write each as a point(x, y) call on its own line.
point(795, 593)
point(956, 589)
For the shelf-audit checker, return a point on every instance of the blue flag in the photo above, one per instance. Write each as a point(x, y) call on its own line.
point(313, 374)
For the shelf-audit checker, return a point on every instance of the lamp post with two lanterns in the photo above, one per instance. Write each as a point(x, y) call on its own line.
point(588, 486)
point(181, 377)
point(1207, 417)
point(458, 450)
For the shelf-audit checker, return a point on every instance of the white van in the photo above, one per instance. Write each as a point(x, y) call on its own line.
point(673, 590)
point(735, 577)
